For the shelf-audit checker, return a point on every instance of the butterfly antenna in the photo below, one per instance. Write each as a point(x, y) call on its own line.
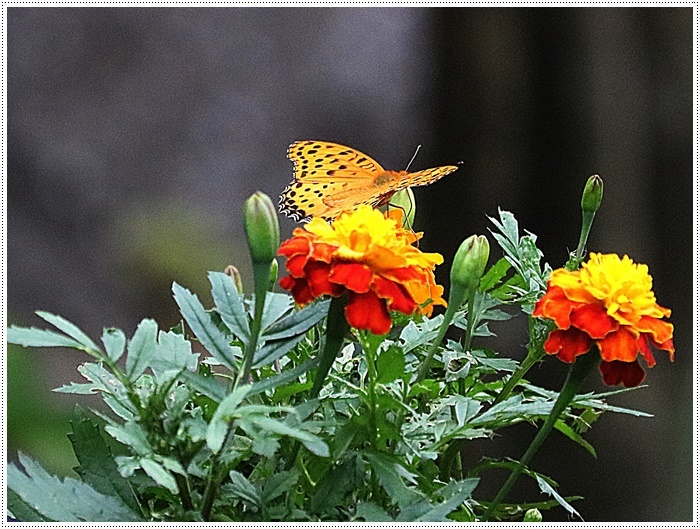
point(414, 157)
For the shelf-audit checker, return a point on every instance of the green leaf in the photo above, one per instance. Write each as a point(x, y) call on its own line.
point(130, 434)
point(312, 442)
point(229, 305)
point(371, 512)
point(216, 432)
point(64, 501)
point(547, 489)
point(71, 330)
point(277, 484)
point(244, 489)
point(96, 464)
point(159, 474)
point(284, 377)
point(173, 351)
point(206, 385)
point(336, 484)
point(390, 365)
point(298, 322)
point(574, 436)
point(141, 349)
point(114, 341)
point(454, 493)
point(272, 350)
point(33, 337)
point(21, 511)
point(276, 306)
point(494, 275)
point(391, 477)
point(204, 329)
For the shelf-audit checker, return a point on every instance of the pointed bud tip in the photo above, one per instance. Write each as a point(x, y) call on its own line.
point(592, 194)
point(470, 261)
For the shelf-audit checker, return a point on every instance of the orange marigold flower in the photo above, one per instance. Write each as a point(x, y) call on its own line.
point(609, 303)
point(370, 257)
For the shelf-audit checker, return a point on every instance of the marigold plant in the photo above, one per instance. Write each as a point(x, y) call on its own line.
point(345, 401)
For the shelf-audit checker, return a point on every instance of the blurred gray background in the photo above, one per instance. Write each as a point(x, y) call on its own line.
point(135, 134)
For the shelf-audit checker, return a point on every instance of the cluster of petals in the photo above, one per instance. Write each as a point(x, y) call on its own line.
point(370, 257)
point(609, 303)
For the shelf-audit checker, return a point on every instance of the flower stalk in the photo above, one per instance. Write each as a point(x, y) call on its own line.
point(590, 203)
point(577, 374)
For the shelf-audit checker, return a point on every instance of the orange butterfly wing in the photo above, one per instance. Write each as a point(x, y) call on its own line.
point(330, 178)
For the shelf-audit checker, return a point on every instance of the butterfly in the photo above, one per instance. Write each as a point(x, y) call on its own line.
point(330, 178)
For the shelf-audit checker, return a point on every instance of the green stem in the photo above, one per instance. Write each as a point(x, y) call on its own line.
point(577, 374)
point(586, 224)
point(261, 278)
point(370, 344)
point(457, 294)
point(214, 477)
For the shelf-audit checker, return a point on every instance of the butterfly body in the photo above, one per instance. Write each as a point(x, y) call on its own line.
point(330, 178)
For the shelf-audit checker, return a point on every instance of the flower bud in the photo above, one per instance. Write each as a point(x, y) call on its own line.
point(274, 270)
point(532, 515)
point(592, 194)
point(470, 261)
point(405, 201)
point(261, 228)
point(234, 274)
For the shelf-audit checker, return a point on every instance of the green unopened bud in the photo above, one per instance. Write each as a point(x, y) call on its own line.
point(274, 270)
point(234, 274)
point(405, 201)
point(532, 515)
point(261, 227)
point(592, 194)
point(470, 262)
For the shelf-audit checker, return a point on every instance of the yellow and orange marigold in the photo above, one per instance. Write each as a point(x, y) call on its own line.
point(369, 257)
point(607, 302)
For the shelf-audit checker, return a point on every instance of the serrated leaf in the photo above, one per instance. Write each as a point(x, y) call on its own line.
point(494, 275)
point(22, 512)
point(547, 489)
point(284, 377)
point(312, 442)
point(336, 484)
point(276, 306)
point(391, 477)
point(159, 474)
point(206, 385)
point(298, 322)
point(244, 489)
point(141, 348)
point(371, 512)
point(70, 329)
point(173, 351)
point(204, 329)
point(574, 436)
point(390, 365)
point(64, 501)
point(277, 484)
point(130, 434)
point(33, 337)
point(114, 342)
point(218, 426)
point(455, 494)
point(272, 350)
point(96, 464)
point(229, 305)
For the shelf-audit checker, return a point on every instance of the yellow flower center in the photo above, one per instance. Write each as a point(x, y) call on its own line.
point(620, 285)
point(366, 235)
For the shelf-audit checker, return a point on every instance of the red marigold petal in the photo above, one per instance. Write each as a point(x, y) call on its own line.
point(299, 288)
point(403, 274)
point(296, 264)
point(661, 331)
point(355, 276)
point(619, 345)
point(629, 374)
point(568, 344)
point(317, 275)
point(594, 320)
point(367, 312)
point(645, 350)
point(294, 246)
point(396, 294)
point(323, 252)
point(554, 305)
